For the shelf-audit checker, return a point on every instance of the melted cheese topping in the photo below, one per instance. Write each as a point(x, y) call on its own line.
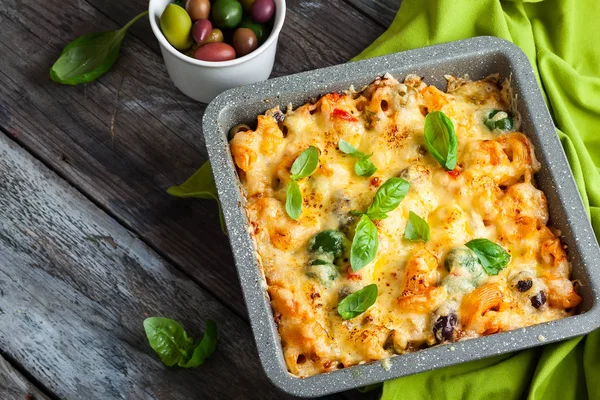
point(491, 194)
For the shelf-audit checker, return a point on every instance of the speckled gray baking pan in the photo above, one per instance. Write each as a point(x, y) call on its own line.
point(477, 57)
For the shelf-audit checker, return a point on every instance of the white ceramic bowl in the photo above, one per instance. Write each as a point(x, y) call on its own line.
point(204, 80)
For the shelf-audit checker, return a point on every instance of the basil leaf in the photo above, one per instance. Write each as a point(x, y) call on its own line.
point(377, 216)
point(388, 196)
point(200, 185)
point(364, 244)
point(168, 339)
point(364, 167)
point(89, 56)
point(305, 164)
point(440, 139)
point(204, 349)
point(347, 148)
point(358, 302)
point(492, 257)
point(416, 228)
point(499, 119)
point(293, 200)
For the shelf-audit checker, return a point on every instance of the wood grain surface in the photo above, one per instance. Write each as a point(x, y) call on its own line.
point(14, 386)
point(90, 243)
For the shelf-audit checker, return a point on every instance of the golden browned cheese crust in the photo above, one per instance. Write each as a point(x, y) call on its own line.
point(491, 194)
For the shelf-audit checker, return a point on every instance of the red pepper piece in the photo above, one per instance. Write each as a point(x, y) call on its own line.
point(345, 115)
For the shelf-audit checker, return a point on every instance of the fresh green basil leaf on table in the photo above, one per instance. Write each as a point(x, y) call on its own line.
point(90, 56)
point(200, 185)
point(173, 345)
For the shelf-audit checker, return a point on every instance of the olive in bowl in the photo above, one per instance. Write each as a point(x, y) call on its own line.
point(203, 74)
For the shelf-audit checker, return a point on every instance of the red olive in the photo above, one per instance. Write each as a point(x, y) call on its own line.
point(197, 9)
point(262, 10)
point(244, 41)
point(201, 30)
point(215, 52)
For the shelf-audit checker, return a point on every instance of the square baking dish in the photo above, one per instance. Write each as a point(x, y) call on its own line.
point(477, 57)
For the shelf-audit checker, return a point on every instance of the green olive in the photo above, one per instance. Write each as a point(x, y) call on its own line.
point(176, 25)
point(215, 36)
point(259, 29)
point(226, 14)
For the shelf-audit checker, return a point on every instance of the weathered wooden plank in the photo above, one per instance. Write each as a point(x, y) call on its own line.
point(381, 12)
point(14, 386)
point(75, 287)
point(125, 163)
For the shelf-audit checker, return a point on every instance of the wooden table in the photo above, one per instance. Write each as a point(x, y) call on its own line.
point(90, 242)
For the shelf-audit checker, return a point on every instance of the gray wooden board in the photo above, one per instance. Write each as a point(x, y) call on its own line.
point(157, 138)
point(380, 12)
point(14, 386)
point(75, 287)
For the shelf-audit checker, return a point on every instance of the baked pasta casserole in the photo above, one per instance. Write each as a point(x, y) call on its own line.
point(399, 217)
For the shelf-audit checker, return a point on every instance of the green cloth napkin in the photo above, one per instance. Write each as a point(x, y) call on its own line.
point(562, 40)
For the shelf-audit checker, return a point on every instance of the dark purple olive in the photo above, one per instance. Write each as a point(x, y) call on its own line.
point(198, 9)
point(201, 30)
point(215, 52)
point(524, 285)
point(539, 299)
point(262, 10)
point(443, 329)
point(244, 41)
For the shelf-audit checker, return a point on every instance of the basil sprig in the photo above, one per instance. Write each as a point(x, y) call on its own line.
point(364, 245)
point(388, 197)
point(365, 242)
point(89, 56)
point(293, 200)
point(440, 139)
point(173, 345)
point(358, 302)
point(200, 185)
point(304, 165)
point(492, 256)
point(416, 228)
point(363, 166)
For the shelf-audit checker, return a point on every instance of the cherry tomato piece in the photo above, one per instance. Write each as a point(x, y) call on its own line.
point(345, 115)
